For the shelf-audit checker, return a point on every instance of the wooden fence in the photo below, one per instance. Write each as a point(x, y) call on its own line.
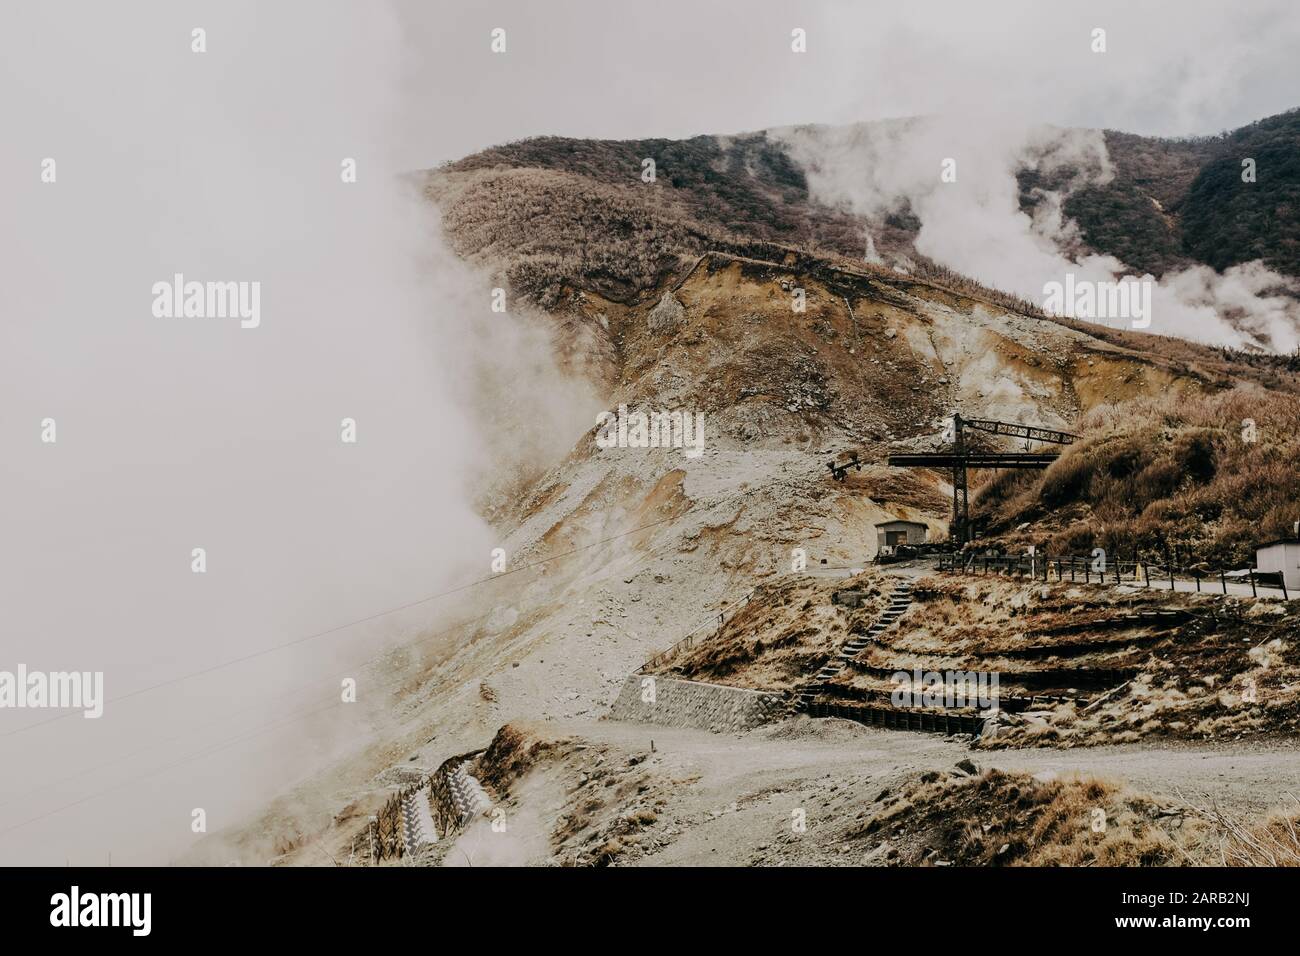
point(1105, 571)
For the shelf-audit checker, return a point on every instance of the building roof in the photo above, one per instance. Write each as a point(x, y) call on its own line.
point(1269, 544)
point(885, 524)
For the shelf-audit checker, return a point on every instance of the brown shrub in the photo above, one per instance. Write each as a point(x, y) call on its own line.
point(1174, 477)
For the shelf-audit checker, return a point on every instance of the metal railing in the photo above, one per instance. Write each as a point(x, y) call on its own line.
point(694, 635)
point(1089, 570)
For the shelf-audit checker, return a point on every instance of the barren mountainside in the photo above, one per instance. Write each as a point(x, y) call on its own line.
point(681, 296)
point(1169, 203)
point(729, 230)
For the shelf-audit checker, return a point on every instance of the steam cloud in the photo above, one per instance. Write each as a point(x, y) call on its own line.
point(179, 433)
point(183, 433)
point(975, 224)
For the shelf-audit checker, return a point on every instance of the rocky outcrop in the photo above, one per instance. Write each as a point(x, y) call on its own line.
point(666, 317)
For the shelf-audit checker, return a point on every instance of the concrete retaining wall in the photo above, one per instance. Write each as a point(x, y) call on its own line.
point(685, 703)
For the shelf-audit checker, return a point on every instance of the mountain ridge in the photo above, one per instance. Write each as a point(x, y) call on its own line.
point(1169, 204)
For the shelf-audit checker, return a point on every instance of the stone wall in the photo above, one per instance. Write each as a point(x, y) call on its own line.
point(685, 703)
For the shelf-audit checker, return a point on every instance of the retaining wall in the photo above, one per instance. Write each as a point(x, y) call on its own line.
point(685, 703)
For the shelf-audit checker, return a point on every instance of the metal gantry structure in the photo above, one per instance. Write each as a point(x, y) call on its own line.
point(960, 458)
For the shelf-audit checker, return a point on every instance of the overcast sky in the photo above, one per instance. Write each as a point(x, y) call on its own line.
point(675, 69)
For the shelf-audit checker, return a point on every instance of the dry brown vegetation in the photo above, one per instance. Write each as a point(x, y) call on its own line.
point(749, 186)
point(597, 804)
point(1172, 478)
point(1220, 669)
point(1101, 664)
point(784, 634)
point(1221, 367)
point(1014, 819)
point(552, 215)
point(544, 230)
point(1273, 841)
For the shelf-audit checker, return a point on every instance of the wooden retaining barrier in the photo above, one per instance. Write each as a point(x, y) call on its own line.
point(1095, 678)
point(1012, 704)
point(899, 718)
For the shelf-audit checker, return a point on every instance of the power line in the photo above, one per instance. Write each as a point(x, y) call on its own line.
point(254, 732)
point(107, 763)
point(171, 766)
point(358, 664)
point(362, 620)
point(364, 662)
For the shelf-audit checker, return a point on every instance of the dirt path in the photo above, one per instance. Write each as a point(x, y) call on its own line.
point(738, 794)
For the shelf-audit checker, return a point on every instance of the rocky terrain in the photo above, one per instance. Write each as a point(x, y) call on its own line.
point(834, 793)
point(795, 357)
point(1155, 205)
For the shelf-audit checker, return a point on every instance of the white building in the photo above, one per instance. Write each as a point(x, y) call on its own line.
point(1281, 556)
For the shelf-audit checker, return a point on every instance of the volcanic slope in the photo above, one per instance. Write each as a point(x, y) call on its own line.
point(617, 553)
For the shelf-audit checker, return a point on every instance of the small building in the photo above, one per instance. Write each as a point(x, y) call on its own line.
point(894, 533)
point(1281, 557)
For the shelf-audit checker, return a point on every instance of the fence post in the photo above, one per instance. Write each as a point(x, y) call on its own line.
point(1281, 576)
point(1223, 579)
point(1253, 592)
point(1171, 576)
point(1146, 574)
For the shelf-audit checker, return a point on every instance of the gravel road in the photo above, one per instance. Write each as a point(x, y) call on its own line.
point(736, 794)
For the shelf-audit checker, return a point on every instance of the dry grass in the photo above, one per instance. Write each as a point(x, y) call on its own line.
point(1274, 841)
point(786, 632)
point(551, 213)
point(1013, 819)
point(1231, 667)
point(592, 803)
point(544, 230)
point(1177, 478)
point(514, 751)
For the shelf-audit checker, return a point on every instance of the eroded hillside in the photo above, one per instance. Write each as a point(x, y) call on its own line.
point(615, 554)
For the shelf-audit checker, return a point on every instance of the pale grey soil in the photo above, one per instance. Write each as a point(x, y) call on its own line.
point(730, 800)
